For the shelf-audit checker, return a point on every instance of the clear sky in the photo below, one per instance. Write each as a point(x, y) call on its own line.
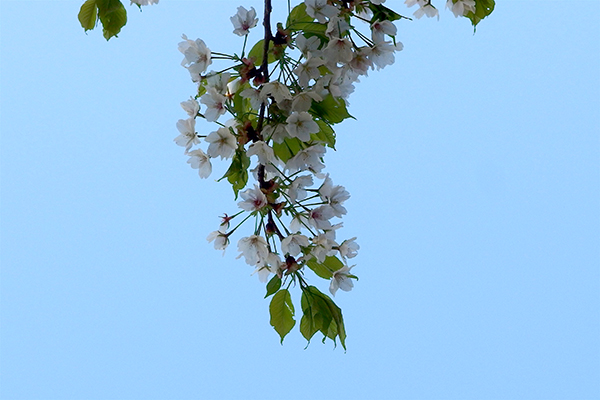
point(474, 169)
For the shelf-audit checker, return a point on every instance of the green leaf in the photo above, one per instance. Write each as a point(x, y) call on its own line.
point(483, 8)
point(322, 314)
point(259, 49)
point(382, 13)
point(113, 17)
point(273, 286)
point(237, 174)
point(309, 29)
point(287, 149)
point(331, 110)
point(282, 313)
point(325, 269)
point(88, 15)
point(308, 325)
point(325, 134)
point(319, 269)
point(298, 15)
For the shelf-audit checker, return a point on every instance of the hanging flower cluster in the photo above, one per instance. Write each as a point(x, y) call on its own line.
point(274, 110)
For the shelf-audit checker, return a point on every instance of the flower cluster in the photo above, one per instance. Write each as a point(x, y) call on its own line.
point(274, 108)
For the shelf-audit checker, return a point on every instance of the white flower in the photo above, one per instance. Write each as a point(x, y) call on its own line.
point(410, 3)
point(299, 222)
point(197, 55)
point(278, 133)
point(293, 244)
point(218, 82)
point(382, 54)
point(361, 63)
point(277, 90)
point(335, 196)
point(426, 9)
point(303, 101)
point(308, 70)
point(307, 159)
point(215, 103)
point(221, 240)
point(349, 248)
point(254, 249)
point(243, 21)
point(308, 46)
point(341, 280)
point(144, 2)
point(381, 28)
point(222, 143)
point(377, 2)
point(461, 7)
point(254, 199)
point(338, 50)
point(320, 216)
point(268, 266)
point(320, 10)
point(296, 190)
point(263, 151)
point(337, 27)
point(254, 95)
point(191, 107)
point(187, 130)
point(301, 125)
point(323, 245)
point(200, 161)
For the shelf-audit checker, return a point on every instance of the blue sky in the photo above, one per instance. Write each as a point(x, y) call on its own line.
point(473, 166)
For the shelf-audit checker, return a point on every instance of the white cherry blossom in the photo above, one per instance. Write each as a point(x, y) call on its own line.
point(320, 10)
point(197, 56)
point(200, 161)
point(243, 21)
point(461, 7)
point(221, 240)
point(218, 82)
point(349, 248)
point(320, 216)
point(382, 54)
point(254, 199)
point(191, 107)
point(307, 159)
point(293, 244)
point(277, 133)
point(323, 245)
point(222, 143)
point(263, 151)
point(341, 280)
point(255, 98)
point(301, 125)
point(381, 28)
point(269, 266)
point(254, 249)
point(215, 103)
point(187, 130)
point(144, 2)
point(308, 70)
point(296, 190)
point(303, 101)
point(335, 196)
point(338, 50)
point(277, 90)
point(337, 27)
point(308, 47)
